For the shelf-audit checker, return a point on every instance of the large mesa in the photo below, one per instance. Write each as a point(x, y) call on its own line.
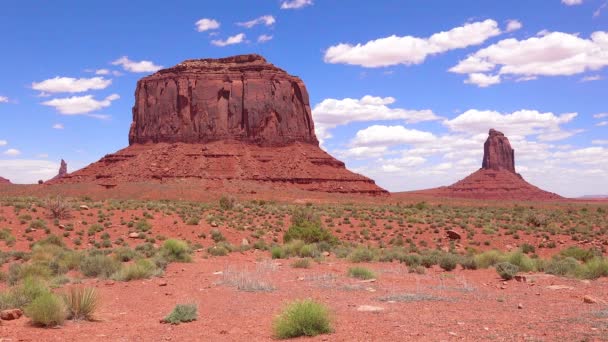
point(243, 98)
point(236, 122)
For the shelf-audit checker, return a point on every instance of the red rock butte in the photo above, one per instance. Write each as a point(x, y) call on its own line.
point(496, 179)
point(238, 119)
point(4, 181)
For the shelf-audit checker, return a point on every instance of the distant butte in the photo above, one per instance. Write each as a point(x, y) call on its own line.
point(63, 170)
point(496, 179)
point(4, 181)
point(209, 121)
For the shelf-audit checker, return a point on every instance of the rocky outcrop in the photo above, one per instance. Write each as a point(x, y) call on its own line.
point(209, 123)
point(496, 179)
point(242, 98)
point(4, 181)
point(63, 170)
point(497, 153)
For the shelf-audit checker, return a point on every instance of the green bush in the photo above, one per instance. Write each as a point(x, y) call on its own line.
point(227, 202)
point(301, 263)
point(141, 269)
point(176, 250)
point(81, 303)
point(580, 253)
point(522, 261)
point(302, 318)
point(309, 232)
point(99, 265)
point(124, 254)
point(506, 270)
point(23, 294)
point(182, 313)
point(218, 250)
point(47, 310)
point(562, 266)
point(593, 269)
point(276, 252)
point(448, 261)
point(361, 273)
point(361, 254)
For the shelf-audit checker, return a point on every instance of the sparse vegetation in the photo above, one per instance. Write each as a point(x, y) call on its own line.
point(47, 310)
point(182, 313)
point(81, 303)
point(361, 273)
point(302, 318)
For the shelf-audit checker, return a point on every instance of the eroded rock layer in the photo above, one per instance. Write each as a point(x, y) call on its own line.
point(242, 98)
point(4, 181)
point(497, 153)
point(63, 170)
point(299, 165)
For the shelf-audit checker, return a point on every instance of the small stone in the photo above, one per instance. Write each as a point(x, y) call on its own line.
point(9, 315)
point(134, 235)
point(373, 280)
point(520, 306)
point(245, 242)
point(453, 235)
point(369, 308)
point(589, 300)
point(325, 254)
point(520, 278)
point(213, 224)
point(84, 207)
point(162, 283)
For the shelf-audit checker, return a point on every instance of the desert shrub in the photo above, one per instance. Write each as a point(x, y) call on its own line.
point(23, 294)
point(361, 254)
point(227, 202)
point(522, 261)
point(309, 251)
point(182, 313)
point(580, 253)
point(489, 258)
point(301, 263)
point(537, 220)
point(58, 207)
point(411, 260)
point(81, 303)
point(17, 272)
point(99, 265)
point(47, 310)
point(124, 254)
point(448, 261)
point(176, 250)
point(143, 225)
point(193, 221)
point(147, 249)
point(506, 270)
point(562, 266)
point(430, 259)
point(302, 318)
point(527, 248)
point(277, 252)
point(141, 269)
point(217, 236)
point(218, 250)
point(302, 215)
point(51, 240)
point(468, 263)
point(7, 237)
point(360, 273)
point(593, 269)
point(309, 232)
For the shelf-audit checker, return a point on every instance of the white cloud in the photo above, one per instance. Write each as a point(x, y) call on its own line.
point(600, 115)
point(12, 152)
point(24, 171)
point(80, 104)
point(482, 80)
point(3, 142)
point(409, 50)
point(363, 152)
point(133, 66)
point(71, 85)
point(591, 78)
point(602, 123)
point(236, 39)
point(3, 99)
point(295, 4)
point(379, 135)
point(519, 123)
point(330, 113)
point(206, 24)
point(572, 2)
point(102, 72)
point(599, 142)
point(553, 54)
point(513, 25)
point(264, 38)
point(58, 126)
point(267, 20)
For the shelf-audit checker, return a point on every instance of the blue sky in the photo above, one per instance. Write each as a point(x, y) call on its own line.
point(402, 91)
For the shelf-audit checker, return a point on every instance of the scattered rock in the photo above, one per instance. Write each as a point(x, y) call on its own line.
point(134, 235)
point(84, 207)
point(162, 283)
point(214, 224)
point(589, 299)
point(520, 278)
point(453, 235)
point(560, 287)
point(325, 254)
point(520, 306)
point(9, 315)
point(245, 242)
point(370, 308)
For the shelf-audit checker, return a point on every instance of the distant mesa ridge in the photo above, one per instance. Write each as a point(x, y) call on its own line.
point(4, 181)
point(496, 179)
point(211, 122)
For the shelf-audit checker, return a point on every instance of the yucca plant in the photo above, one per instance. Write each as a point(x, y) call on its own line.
point(81, 303)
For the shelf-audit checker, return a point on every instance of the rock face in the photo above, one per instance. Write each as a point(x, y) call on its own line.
point(235, 122)
point(4, 181)
point(497, 153)
point(242, 98)
point(63, 170)
point(496, 179)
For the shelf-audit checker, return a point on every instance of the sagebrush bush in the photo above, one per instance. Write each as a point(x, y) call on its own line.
point(141, 269)
point(47, 310)
point(361, 273)
point(362, 254)
point(302, 318)
point(448, 261)
point(176, 250)
point(227, 202)
point(58, 207)
point(301, 263)
point(81, 303)
point(506, 270)
point(562, 266)
point(182, 313)
point(309, 232)
point(99, 265)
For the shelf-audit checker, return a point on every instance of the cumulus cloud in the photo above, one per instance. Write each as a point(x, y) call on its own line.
point(102, 72)
point(24, 171)
point(513, 25)
point(600, 115)
point(12, 152)
point(236, 39)
point(264, 38)
point(409, 50)
point(3, 99)
point(207, 24)
point(600, 142)
point(295, 4)
point(551, 54)
point(267, 20)
point(379, 135)
point(572, 2)
point(482, 80)
point(330, 113)
point(71, 85)
point(591, 78)
point(602, 123)
point(58, 126)
point(80, 104)
point(3, 142)
point(520, 123)
point(133, 66)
